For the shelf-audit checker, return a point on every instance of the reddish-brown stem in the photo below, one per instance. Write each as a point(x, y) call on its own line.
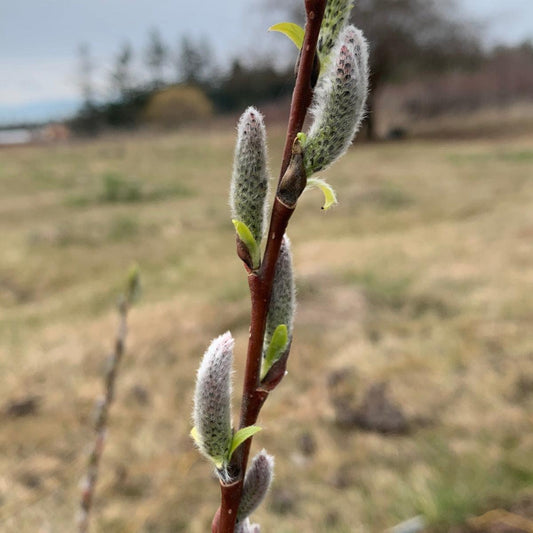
point(261, 283)
point(303, 91)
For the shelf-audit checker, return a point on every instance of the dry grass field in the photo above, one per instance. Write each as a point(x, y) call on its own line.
point(422, 278)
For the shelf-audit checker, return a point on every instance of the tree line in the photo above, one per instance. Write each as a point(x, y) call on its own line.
point(408, 39)
point(192, 64)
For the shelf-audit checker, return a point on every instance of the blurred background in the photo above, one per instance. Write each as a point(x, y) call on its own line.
point(410, 385)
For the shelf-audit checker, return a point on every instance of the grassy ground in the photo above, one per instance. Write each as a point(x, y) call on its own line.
point(421, 277)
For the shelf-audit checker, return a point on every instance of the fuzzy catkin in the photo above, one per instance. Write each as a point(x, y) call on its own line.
point(339, 103)
point(212, 400)
point(283, 298)
point(335, 19)
point(256, 484)
point(249, 181)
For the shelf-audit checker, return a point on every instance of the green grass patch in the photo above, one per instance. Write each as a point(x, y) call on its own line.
point(123, 227)
point(471, 158)
point(518, 156)
point(117, 189)
point(514, 156)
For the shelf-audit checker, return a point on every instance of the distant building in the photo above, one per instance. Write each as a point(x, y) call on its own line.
point(49, 133)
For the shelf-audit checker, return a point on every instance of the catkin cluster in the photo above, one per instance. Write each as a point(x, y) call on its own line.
point(337, 110)
point(213, 432)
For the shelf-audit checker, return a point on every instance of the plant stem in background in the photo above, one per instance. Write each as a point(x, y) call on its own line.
point(103, 405)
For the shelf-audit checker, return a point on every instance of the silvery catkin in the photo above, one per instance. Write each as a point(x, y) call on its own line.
point(212, 400)
point(339, 102)
point(256, 484)
point(283, 299)
point(249, 181)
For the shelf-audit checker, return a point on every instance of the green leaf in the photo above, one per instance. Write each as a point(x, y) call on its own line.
point(245, 235)
point(294, 32)
point(278, 343)
point(330, 198)
point(242, 435)
point(302, 138)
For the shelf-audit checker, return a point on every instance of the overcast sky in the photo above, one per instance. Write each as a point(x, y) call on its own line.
point(39, 38)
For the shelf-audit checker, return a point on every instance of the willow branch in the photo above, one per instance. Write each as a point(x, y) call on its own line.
point(260, 283)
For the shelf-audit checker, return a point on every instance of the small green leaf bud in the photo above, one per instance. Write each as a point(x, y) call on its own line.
point(339, 103)
point(212, 430)
point(335, 19)
point(256, 484)
point(133, 283)
point(249, 181)
point(242, 435)
point(283, 298)
point(275, 349)
point(247, 248)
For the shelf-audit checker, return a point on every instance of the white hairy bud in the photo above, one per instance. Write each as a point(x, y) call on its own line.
point(339, 102)
point(212, 401)
point(283, 298)
point(256, 484)
point(249, 181)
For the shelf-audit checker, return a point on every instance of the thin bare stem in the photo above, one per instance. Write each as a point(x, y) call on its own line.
point(260, 283)
point(102, 413)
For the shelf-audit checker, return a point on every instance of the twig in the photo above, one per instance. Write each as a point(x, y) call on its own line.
point(103, 405)
point(260, 283)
